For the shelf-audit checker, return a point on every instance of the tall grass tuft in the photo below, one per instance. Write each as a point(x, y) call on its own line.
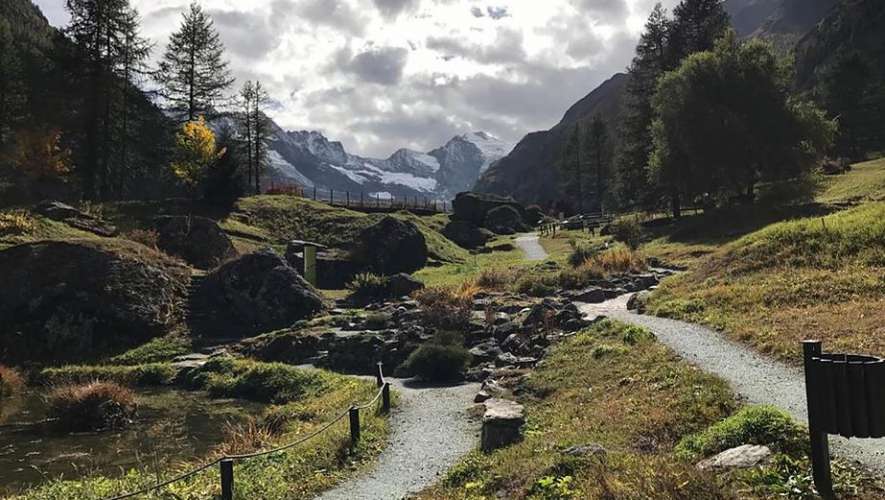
point(447, 308)
point(92, 406)
point(11, 381)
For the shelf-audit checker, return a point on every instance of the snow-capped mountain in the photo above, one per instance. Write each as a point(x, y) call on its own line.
point(308, 159)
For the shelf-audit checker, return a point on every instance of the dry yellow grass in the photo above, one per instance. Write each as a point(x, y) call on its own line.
point(11, 381)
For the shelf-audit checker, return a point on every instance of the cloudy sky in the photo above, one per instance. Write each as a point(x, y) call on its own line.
point(383, 74)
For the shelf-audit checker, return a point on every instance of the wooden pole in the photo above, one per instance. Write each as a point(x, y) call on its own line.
point(379, 374)
point(227, 479)
point(385, 398)
point(354, 414)
point(347, 203)
point(820, 446)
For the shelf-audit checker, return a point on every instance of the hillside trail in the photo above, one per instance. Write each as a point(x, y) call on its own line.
point(754, 377)
point(529, 244)
point(430, 430)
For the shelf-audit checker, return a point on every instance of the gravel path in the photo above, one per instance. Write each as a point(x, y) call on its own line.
point(756, 378)
point(529, 244)
point(430, 431)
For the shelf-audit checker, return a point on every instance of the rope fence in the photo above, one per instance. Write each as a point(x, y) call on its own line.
point(226, 462)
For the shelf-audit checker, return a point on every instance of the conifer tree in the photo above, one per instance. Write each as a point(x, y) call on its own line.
point(598, 145)
point(256, 126)
point(193, 72)
point(108, 46)
point(572, 165)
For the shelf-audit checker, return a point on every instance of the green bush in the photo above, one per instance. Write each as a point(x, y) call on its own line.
point(443, 359)
point(581, 252)
point(368, 286)
point(537, 285)
point(265, 382)
point(761, 425)
point(627, 230)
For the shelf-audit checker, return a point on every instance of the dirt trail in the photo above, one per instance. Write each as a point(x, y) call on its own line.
point(533, 250)
point(758, 379)
point(430, 431)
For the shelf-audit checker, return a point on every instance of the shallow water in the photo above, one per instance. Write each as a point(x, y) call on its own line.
point(171, 425)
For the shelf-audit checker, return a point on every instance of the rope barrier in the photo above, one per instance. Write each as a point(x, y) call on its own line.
point(247, 456)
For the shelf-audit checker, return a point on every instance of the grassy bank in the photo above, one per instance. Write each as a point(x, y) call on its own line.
point(818, 277)
point(654, 416)
point(304, 401)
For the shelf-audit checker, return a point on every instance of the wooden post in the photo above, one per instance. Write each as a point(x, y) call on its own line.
point(310, 264)
point(347, 203)
point(354, 413)
point(314, 192)
point(331, 197)
point(385, 398)
point(362, 203)
point(379, 374)
point(820, 446)
point(227, 479)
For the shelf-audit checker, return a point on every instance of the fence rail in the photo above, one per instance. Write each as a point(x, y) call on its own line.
point(367, 202)
point(226, 463)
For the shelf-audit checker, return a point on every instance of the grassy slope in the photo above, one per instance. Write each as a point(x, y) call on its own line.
point(300, 472)
point(773, 276)
point(809, 278)
point(38, 228)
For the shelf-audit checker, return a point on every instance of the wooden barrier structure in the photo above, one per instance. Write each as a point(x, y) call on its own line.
point(846, 396)
point(376, 203)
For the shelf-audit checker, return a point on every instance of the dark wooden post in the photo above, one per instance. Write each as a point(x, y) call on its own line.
point(347, 203)
point(227, 479)
point(362, 199)
point(820, 446)
point(314, 192)
point(379, 374)
point(354, 413)
point(331, 197)
point(385, 397)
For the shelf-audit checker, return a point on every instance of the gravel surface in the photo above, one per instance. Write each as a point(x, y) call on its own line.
point(529, 244)
point(430, 431)
point(758, 379)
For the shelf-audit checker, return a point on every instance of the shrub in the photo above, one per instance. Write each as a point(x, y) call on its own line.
point(614, 262)
point(443, 359)
point(494, 279)
point(249, 436)
point(368, 286)
point(16, 222)
point(581, 252)
point(264, 382)
point(538, 285)
point(92, 406)
point(147, 237)
point(447, 308)
point(627, 230)
point(761, 425)
point(11, 381)
point(147, 374)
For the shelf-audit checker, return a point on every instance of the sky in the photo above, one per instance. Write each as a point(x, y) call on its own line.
point(379, 75)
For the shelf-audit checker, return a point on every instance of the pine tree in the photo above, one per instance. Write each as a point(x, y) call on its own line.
point(193, 72)
point(697, 24)
point(11, 89)
point(572, 165)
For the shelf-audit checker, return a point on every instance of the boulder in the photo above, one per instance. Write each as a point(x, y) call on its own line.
point(286, 347)
point(466, 234)
point(742, 457)
point(255, 293)
point(335, 267)
point(533, 215)
point(638, 302)
point(402, 284)
point(504, 220)
point(501, 423)
point(65, 300)
point(473, 207)
point(77, 219)
point(197, 240)
point(590, 295)
point(391, 246)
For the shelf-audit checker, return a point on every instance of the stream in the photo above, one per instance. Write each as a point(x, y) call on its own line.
point(171, 425)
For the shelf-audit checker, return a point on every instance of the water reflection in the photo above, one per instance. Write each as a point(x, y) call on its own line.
point(171, 425)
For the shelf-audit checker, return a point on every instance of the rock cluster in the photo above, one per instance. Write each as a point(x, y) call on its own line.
point(477, 216)
point(198, 240)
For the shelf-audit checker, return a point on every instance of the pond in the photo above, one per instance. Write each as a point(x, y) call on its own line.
point(171, 425)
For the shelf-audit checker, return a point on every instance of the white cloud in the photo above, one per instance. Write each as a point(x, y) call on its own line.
point(383, 74)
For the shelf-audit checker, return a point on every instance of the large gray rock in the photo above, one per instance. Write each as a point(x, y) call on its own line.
point(742, 457)
point(501, 423)
point(504, 220)
point(255, 293)
point(473, 207)
point(391, 246)
point(65, 300)
point(197, 240)
point(465, 234)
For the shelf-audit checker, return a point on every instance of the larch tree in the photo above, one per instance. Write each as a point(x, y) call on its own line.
point(193, 72)
point(256, 126)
